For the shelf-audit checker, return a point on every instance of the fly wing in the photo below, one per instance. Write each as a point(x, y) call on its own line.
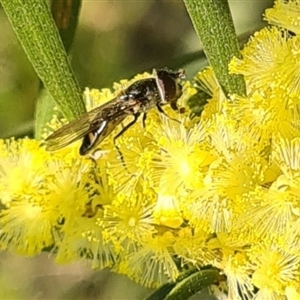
point(93, 138)
point(88, 122)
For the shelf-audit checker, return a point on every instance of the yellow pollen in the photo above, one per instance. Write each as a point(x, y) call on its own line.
point(32, 212)
point(185, 168)
point(132, 222)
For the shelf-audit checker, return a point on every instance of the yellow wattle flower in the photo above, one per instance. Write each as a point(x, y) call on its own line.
point(221, 189)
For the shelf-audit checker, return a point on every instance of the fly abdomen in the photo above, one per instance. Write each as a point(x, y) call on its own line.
point(90, 139)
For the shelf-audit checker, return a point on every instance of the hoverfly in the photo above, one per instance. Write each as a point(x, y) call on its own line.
point(163, 87)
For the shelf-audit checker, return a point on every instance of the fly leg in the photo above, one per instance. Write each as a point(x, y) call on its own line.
point(165, 114)
point(121, 132)
point(144, 120)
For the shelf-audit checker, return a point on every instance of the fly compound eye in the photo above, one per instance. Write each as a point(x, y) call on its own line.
point(168, 86)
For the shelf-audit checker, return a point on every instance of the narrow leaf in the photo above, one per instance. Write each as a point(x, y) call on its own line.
point(214, 25)
point(37, 33)
point(193, 284)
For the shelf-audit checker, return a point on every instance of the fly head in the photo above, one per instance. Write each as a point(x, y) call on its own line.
point(169, 86)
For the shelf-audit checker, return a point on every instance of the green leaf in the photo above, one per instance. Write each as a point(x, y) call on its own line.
point(65, 14)
point(38, 35)
point(187, 284)
point(214, 25)
point(164, 290)
point(43, 112)
point(193, 284)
